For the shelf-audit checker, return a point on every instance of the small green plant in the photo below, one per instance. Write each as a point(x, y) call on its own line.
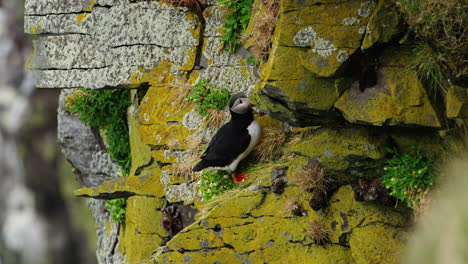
point(214, 183)
point(408, 176)
point(117, 209)
point(236, 23)
point(106, 109)
point(207, 97)
point(253, 61)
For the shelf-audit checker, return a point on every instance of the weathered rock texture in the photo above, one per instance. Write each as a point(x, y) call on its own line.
point(310, 78)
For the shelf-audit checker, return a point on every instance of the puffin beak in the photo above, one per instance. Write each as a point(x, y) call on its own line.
point(251, 105)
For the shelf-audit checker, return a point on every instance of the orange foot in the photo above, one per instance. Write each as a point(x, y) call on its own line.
point(239, 178)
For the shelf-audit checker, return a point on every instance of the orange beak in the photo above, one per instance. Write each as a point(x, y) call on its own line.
point(251, 105)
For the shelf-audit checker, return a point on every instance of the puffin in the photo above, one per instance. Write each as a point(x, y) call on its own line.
point(233, 141)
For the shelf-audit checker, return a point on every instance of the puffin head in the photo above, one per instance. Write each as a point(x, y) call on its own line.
point(240, 104)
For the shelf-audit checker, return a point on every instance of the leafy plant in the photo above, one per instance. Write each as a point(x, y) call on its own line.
point(408, 176)
point(213, 183)
point(207, 97)
point(236, 23)
point(117, 209)
point(106, 109)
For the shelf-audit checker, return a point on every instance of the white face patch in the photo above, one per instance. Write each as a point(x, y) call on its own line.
point(241, 106)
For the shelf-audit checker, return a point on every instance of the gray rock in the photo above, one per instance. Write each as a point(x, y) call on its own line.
point(108, 240)
point(104, 46)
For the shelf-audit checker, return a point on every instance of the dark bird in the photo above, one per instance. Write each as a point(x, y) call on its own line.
point(233, 141)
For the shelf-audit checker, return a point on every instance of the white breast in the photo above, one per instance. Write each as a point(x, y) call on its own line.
point(255, 132)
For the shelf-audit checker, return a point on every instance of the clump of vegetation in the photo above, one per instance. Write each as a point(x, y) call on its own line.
point(440, 27)
point(117, 209)
point(194, 141)
point(106, 109)
point(263, 28)
point(428, 68)
point(318, 233)
point(215, 118)
point(236, 23)
point(311, 178)
point(214, 183)
point(270, 145)
point(183, 90)
point(409, 177)
point(207, 97)
point(184, 167)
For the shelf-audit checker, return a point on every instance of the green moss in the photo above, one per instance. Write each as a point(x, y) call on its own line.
point(236, 23)
point(106, 109)
point(214, 183)
point(117, 208)
point(207, 97)
point(408, 175)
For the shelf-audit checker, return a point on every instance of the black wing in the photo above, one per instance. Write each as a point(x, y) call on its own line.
point(224, 147)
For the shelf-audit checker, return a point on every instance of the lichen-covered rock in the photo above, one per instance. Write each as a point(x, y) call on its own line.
point(108, 234)
point(143, 232)
point(300, 102)
point(313, 41)
point(457, 102)
point(101, 46)
point(398, 98)
point(377, 243)
point(324, 35)
point(146, 185)
point(340, 149)
point(245, 227)
point(383, 24)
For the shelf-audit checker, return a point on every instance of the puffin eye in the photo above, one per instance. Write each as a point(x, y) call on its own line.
point(240, 101)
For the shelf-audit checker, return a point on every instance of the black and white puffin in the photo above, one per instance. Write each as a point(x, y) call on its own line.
point(233, 141)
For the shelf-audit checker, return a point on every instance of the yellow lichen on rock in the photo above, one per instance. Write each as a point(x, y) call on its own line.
point(163, 120)
point(377, 243)
point(148, 185)
point(143, 232)
point(399, 98)
point(253, 226)
point(334, 147)
point(457, 102)
point(156, 76)
point(383, 24)
point(80, 17)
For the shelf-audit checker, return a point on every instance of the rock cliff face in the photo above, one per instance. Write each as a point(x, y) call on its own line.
point(310, 88)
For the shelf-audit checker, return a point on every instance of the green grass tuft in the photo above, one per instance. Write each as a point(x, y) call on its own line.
point(214, 183)
point(441, 25)
point(106, 109)
point(428, 69)
point(207, 97)
point(117, 209)
point(408, 176)
point(236, 23)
